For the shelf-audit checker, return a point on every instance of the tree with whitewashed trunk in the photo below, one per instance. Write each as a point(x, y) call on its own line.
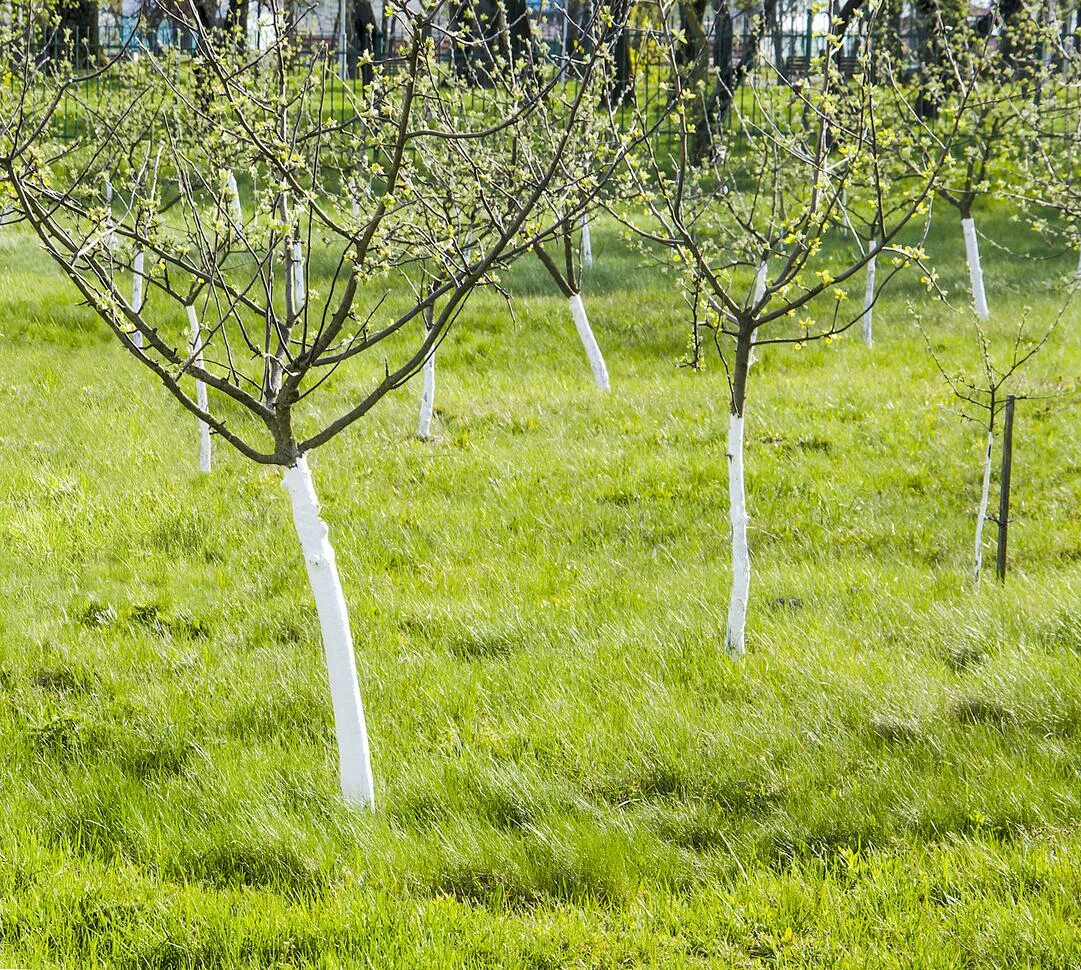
point(988, 85)
point(981, 387)
point(567, 275)
point(753, 233)
point(284, 335)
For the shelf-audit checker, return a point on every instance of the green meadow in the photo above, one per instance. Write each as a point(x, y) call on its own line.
point(570, 771)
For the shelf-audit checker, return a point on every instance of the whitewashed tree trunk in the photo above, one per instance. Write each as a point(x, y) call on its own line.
point(1077, 272)
point(427, 399)
point(110, 240)
point(296, 263)
point(589, 341)
point(760, 281)
point(759, 292)
point(236, 213)
point(137, 292)
point(354, 759)
point(587, 245)
point(981, 517)
point(869, 302)
point(975, 270)
point(741, 558)
point(200, 389)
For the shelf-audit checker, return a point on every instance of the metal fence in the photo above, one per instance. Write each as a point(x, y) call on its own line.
point(783, 55)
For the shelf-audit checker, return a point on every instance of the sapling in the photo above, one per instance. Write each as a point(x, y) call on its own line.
point(989, 87)
point(268, 335)
point(982, 390)
point(754, 230)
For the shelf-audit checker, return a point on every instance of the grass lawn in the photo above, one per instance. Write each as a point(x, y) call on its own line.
point(570, 771)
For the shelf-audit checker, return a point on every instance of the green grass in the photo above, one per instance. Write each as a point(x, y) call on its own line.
point(570, 772)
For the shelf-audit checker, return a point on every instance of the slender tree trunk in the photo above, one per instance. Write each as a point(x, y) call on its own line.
point(296, 262)
point(137, 292)
point(236, 213)
point(759, 292)
point(869, 300)
point(354, 760)
point(760, 281)
point(427, 399)
point(981, 516)
point(200, 389)
point(587, 245)
point(975, 270)
point(589, 341)
point(111, 238)
point(737, 504)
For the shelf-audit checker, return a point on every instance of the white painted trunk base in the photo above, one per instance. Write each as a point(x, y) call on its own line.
point(200, 390)
point(869, 303)
point(1077, 272)
point(587, 245)
point(427, 399)
point(981, 517)
point(741, 558)
point(589, 341)
point(354, 759)
point(975, 270)
point(137, 293)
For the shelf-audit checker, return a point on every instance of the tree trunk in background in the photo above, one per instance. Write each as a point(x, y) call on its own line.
point(869, 300)
point(78, 33)
point(975, 269)
point(589, 341)
point(200, 389)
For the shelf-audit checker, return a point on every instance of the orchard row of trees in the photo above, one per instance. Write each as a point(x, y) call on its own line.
point(280, 265)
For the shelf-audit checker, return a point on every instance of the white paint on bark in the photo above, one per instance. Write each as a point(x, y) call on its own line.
point(759, 292)
point(137, 293)
point(1077, 272)
point(741, 558)
point(200, 388)
point(869, 302)
point(975, 270)
point(236, 213)
point(354, 760)
point(110, 239)
point(589, 341)
point(427, 399)
point(981, 516)
point(760, 281)
point(587, 245)
point(296, 263)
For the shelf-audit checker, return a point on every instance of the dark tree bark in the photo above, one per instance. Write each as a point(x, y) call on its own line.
point(78, 37)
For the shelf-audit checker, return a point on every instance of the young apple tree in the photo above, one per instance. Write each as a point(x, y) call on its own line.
point(299, 322)
point(1000, 372)
point(754, 229)
point(987, 84)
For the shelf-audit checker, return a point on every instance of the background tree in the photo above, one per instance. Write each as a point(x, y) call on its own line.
point(771, 198)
